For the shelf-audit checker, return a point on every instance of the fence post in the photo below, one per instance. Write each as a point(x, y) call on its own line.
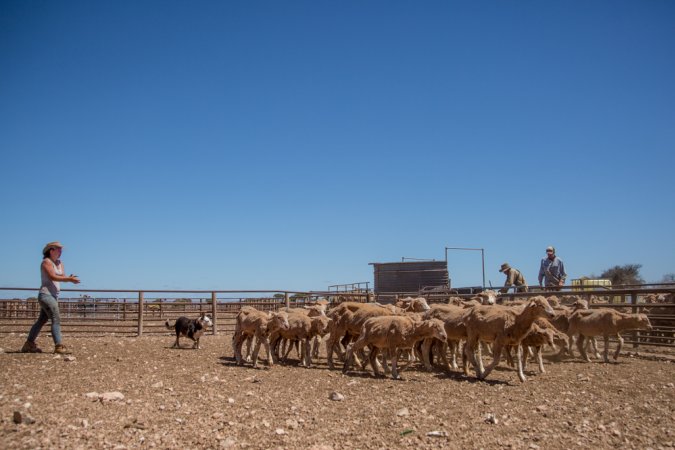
point(140, 313)
point(287, 300)
point(213, 312)
point(636, 334)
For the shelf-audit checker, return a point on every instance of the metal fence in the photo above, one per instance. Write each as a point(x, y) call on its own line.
point(137, 313)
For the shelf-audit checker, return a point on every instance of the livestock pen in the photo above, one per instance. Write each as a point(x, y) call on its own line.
point(143, 312)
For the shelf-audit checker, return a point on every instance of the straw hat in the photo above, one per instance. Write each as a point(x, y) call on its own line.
point(505, 267)
point(55, 244)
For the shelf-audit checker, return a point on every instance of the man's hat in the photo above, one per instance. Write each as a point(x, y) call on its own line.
point(55, 244)
point(505, 267)
point(550, 248)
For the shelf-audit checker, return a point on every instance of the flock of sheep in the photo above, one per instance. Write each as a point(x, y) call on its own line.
point(419, 332)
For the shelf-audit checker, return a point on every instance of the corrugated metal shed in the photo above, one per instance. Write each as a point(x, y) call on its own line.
point(409, 276)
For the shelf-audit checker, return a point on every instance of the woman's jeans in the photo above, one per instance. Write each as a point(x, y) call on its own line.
point(49, 310)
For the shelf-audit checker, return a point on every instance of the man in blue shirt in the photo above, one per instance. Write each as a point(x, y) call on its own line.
point(552, 271)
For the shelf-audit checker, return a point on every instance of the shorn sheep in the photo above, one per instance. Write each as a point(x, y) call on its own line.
point(393, 334)
point(259, 324)
point(502, 326)
point(604, 322)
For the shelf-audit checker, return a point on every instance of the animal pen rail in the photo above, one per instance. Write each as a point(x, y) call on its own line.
point(145, 312)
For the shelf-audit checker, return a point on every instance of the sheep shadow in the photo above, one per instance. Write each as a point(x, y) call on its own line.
point(459, 376)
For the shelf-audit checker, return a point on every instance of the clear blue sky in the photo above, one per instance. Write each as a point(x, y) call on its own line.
point(286, 145)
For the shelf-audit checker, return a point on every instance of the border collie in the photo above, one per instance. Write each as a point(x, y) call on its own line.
point(192, 328)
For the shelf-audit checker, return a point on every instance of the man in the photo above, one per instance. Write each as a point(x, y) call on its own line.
point(513, 278)
point(552, 271)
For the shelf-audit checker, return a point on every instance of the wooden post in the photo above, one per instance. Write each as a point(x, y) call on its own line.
point(636, 334)
point(287, 299)
point(213, 312)
point(140, 313)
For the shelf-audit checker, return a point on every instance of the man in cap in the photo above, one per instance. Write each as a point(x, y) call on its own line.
point(513, 278)
point(552, 271)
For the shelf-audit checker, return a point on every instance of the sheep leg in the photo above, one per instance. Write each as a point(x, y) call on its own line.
point(540, 359)
point(618, 347)
point(480, 359)
point(410, 359)
point(330, 344)
point(471, 356)
point(249, 343)
point(581, 348)
point(426, 348)
point(521, 355)
point(454, 348)
point(351, 353)
point(373, 359)
point(255, 353)
point(394, 363)
point(236, 343)
point(496, 357)
point(594, 345)
point(444, 355)
point(266, 343)
point(306, 344)
point(509, 358)
point(315, 347)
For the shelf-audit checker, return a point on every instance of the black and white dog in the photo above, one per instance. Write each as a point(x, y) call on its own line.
point(192, 328)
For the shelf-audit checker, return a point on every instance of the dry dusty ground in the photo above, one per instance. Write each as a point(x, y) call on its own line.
point(200, 399)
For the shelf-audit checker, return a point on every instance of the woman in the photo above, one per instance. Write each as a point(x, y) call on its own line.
point(51, 272)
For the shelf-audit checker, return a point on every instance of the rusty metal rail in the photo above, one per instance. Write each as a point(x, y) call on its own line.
point(139, 314)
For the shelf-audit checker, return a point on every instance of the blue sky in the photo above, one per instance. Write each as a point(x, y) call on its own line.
point(286, 145)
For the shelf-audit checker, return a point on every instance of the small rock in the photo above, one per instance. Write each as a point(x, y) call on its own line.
point(84, 423)
point(92, 395)
point(27, 405)
point(111, 396)
point(491, 418)
point(403, 412)
point(279, 431)
point(336, 396)
point(292, 424)
point(437, 434)
point(249, 393)
point(228, 442)
point(69, 358)
point(230, 401)
point(22, 418)
point(159, 384)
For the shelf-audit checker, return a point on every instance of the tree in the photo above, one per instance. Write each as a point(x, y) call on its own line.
point(626, 274)
point(668, 278)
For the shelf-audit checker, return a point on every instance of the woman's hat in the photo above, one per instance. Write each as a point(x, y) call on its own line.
point(55, 244)
point(505, 266)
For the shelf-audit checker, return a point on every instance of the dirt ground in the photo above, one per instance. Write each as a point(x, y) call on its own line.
point(201, 399)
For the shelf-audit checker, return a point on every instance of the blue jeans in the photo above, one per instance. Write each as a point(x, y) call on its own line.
point(49, 310)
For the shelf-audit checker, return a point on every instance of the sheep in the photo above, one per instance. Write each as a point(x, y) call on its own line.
point(453, 320)
point(502, 326)
point(410, 304)
point(541, 333)
point(253, 323)
point(604, 322)
point(302, 328)
point(347, 319)
point(393, 334)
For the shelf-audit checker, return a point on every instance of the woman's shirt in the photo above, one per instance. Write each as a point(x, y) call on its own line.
point(49, 286)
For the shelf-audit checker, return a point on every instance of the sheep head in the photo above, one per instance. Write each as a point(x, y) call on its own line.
point(640, 322)
point(540, 307)
point(278, 321)
point(488, 297)
point(435, 327)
